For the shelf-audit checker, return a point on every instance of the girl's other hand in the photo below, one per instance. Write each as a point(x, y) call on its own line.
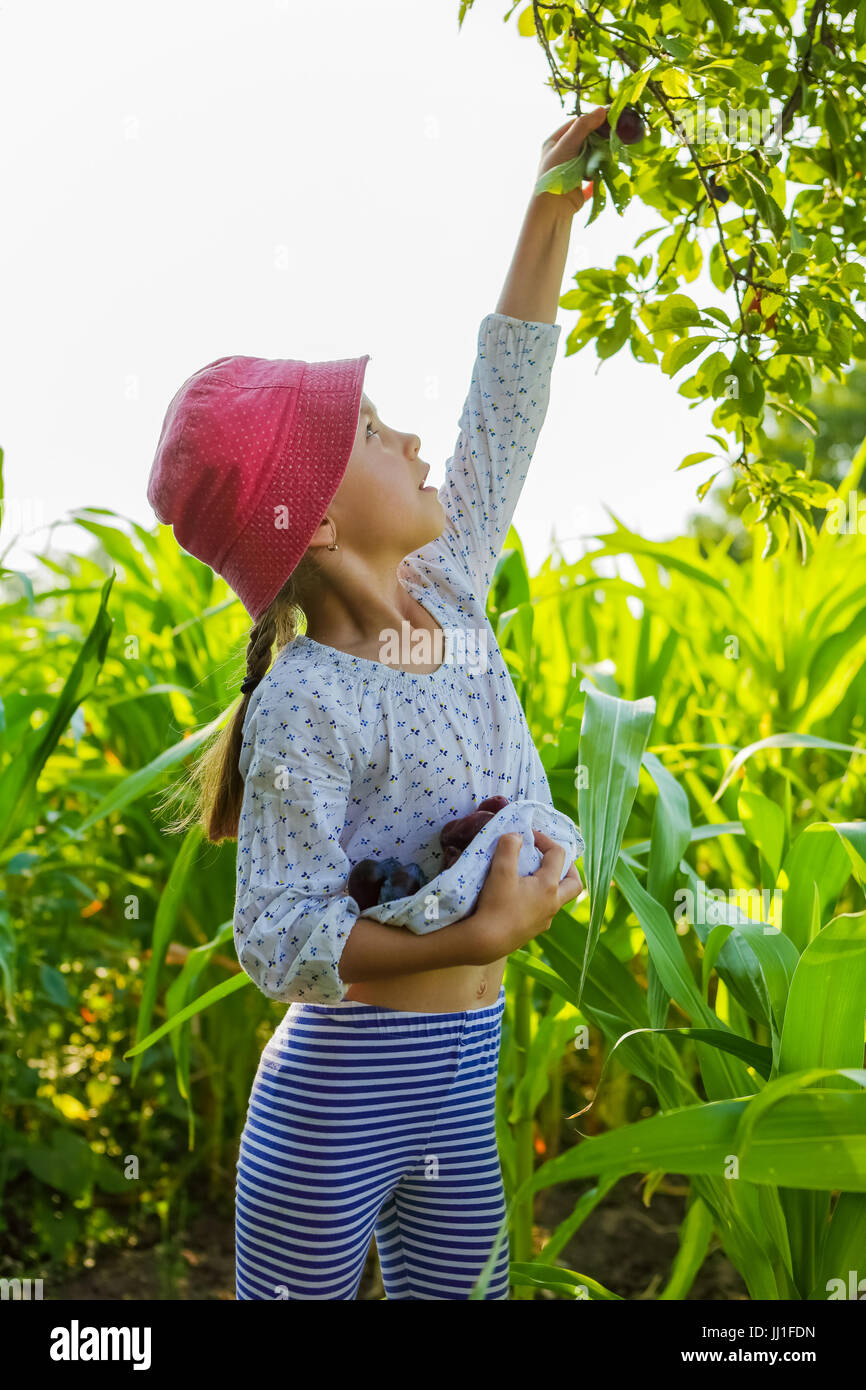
point(512, 908)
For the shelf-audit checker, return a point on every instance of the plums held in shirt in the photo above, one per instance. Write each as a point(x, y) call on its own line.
point(450, 855)
point(366, 879)
point(456, 835)
point(375, 881)
point(459, 833)
point(402, 882)
point(629, 128)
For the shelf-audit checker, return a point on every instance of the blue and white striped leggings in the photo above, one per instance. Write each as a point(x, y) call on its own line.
point(364, 1120)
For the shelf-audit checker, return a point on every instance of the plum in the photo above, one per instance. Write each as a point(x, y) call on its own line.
point(366, 879)
point(717, 192)
point(460, 832)
point(629, 128)
point(457, 834)
point(402, 882)
point(450, 855)
point(375, 881)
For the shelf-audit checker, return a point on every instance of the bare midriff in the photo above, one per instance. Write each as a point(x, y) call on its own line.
point(451, 990)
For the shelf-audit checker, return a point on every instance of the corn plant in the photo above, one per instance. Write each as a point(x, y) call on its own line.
point(717, 706)
point(750, 1026)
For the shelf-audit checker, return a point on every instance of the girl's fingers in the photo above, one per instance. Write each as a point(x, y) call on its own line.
point(558, 134)
point(579, 125)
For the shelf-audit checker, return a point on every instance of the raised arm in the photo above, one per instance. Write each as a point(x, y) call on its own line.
point(510, 384)
point(503, 413)
point(533, 284)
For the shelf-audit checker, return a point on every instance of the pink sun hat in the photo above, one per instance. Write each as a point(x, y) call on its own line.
point(250, 455)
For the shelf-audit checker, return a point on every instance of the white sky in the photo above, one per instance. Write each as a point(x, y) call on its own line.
point(194, 179)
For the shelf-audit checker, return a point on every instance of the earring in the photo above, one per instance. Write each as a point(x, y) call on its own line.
point(334, 546)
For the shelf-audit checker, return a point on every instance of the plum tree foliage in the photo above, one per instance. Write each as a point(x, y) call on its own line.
point(753, 160)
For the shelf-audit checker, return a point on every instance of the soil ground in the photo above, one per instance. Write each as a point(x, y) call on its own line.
point(624, 1245)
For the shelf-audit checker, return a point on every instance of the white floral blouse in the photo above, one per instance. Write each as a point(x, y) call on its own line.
point(345, 758)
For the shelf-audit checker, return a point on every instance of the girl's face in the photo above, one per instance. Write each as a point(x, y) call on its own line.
point(379, 509)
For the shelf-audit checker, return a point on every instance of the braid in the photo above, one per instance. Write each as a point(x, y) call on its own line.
point(259, 649)
point(217, 774)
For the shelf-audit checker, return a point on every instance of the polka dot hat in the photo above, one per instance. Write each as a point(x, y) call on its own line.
point(251, 453)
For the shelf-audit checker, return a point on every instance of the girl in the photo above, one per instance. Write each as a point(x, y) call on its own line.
point(372, 1110)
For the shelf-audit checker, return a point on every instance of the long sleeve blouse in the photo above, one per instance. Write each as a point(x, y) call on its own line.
point(345, 758)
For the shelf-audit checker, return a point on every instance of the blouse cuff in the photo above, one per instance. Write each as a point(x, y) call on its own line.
point(502, 337)
point(316, 974)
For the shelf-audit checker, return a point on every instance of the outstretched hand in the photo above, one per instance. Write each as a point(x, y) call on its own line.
point(566, 143)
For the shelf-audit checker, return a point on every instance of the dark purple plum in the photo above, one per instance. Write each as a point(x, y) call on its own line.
point(493, 804)
point(460, 832)
point(402, 882)
point(629, 128)
point(366, 879)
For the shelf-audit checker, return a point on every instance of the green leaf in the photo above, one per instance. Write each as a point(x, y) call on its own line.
point(674, 83)
point(827, 1000)
point(844, 1244)
point(764, 823)
point(791, 740)
point(562, 178)
point(754, 1055)
point(679, 354)
point(691, 459)
point(565, 1282)
point(677, 46)
point(675, 311)
point(723, 14)
point(170, 903)
point(612, 339)
point(204, 1001)
point(19, 778)
point(641, 347)
point(138, 782)
point(823, 249)
point(671, 830)
point(693, 1244)
point(813, 1139)
point(852, 274)
point(613, 738)
point(776, 1091)
point(599, 198)
point(54, 985)
point(526, 23)
point(817, 861)
point(628, 93)
point(704, 488)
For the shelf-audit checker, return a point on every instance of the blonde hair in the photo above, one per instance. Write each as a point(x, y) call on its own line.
point(215, 779)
